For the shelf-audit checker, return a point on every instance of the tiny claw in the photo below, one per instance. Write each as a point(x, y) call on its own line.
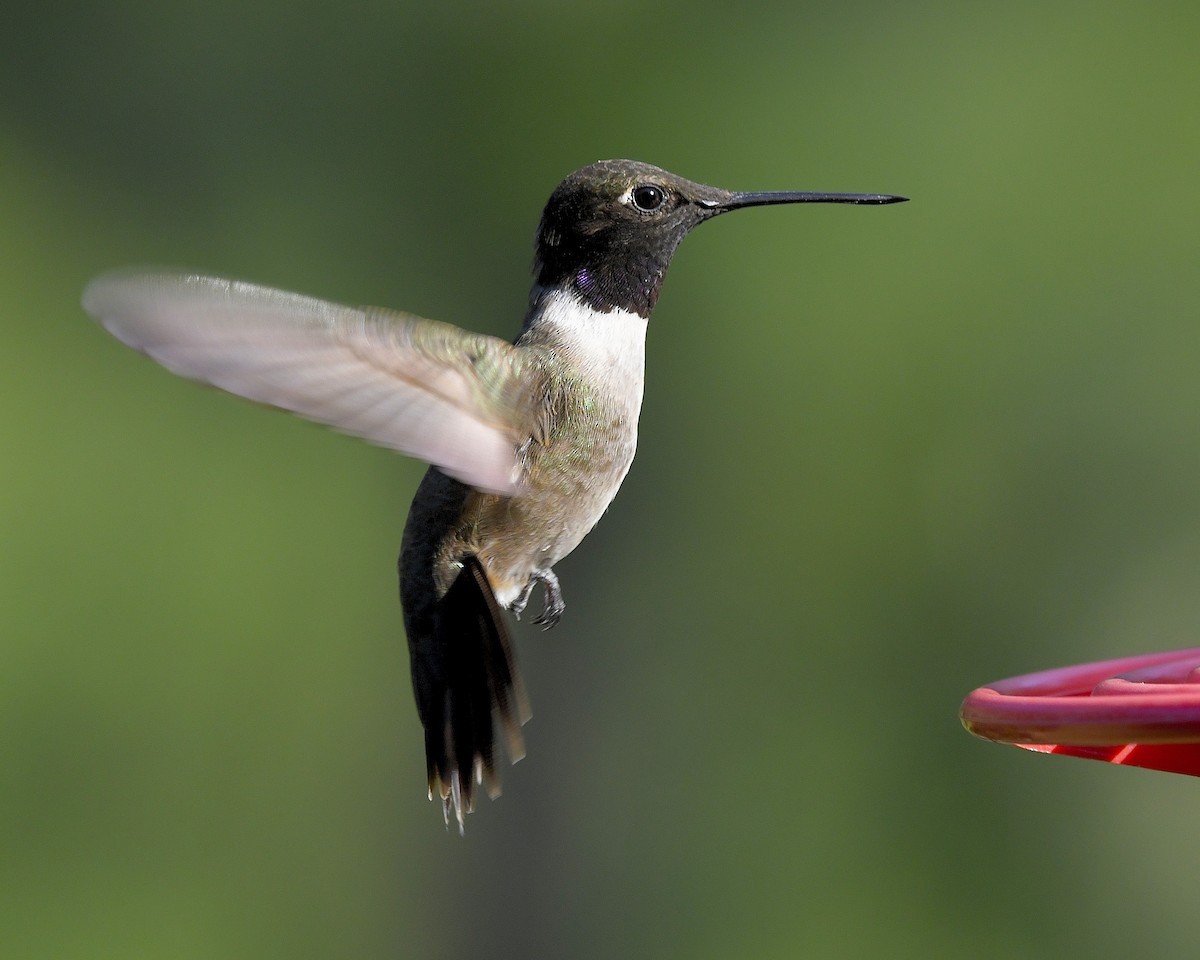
point(554, 602)
point(553, 612)
point(518, 606)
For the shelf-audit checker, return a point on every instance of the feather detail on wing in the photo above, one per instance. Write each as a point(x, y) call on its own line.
point(427, 389)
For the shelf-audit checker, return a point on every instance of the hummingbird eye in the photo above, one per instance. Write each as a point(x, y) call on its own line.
point(648, 197)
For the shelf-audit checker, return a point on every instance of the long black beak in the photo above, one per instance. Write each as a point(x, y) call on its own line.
point(735, 201)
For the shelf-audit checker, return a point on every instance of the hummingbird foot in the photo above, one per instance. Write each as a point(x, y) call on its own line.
point(518, 606)
point(552, 592)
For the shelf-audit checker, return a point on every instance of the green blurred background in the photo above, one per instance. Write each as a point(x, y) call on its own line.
point(887, 455)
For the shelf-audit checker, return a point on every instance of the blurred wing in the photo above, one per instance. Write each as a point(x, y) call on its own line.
point(424, 388)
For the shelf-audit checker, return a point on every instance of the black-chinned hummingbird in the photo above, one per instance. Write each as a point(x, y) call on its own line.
point(529, 441)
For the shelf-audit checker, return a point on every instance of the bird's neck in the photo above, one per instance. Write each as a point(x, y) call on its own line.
point(627, 278)
point(607, 348)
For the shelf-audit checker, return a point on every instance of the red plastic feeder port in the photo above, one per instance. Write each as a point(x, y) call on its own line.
point(1138, 711)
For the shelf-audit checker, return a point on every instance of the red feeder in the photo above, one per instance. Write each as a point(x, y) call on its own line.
point(1140, 711)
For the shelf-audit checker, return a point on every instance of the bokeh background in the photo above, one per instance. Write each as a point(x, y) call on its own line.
point(887, 455)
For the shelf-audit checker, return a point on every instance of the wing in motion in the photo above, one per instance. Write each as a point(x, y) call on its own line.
point(428, 389)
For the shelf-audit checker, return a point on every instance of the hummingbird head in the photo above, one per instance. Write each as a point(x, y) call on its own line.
point(609, 230)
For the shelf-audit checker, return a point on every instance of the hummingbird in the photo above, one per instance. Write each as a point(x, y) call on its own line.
point(528, 441)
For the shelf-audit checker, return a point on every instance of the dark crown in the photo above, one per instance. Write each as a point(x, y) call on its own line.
point(609, 231)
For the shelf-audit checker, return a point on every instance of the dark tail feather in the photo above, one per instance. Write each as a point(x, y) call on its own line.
point(479, 680)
